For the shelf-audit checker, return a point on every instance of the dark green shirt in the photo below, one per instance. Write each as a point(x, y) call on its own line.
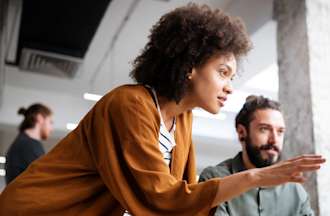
point(285, 200)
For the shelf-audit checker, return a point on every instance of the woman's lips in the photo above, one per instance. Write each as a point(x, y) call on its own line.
point(222, 101)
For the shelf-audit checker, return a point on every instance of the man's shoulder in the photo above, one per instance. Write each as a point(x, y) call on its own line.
point(23, 142)
point(221, 170)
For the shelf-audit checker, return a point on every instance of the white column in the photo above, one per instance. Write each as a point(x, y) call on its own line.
point(3, 32)
point(303, 40)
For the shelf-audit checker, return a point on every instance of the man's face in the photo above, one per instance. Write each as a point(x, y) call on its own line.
point(264, 140)
point(46, 127)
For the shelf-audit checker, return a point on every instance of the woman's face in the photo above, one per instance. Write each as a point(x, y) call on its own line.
point(212, 82)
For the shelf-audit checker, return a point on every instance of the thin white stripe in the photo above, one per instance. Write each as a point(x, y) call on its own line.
point(170, 139)
point(166, 142)
point(167, 154)
point(163, 136)
point(162, 148)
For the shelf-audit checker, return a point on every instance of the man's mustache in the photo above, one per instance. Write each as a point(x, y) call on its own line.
point(269, 147)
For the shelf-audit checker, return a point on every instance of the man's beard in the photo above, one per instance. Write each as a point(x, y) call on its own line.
point(43, 134)
point(254, 154)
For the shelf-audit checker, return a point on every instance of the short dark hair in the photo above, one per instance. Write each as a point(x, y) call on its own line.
point(252, 104)
point(30, 115)
point(183, 39)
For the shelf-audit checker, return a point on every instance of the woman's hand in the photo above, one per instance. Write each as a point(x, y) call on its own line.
point(286, 171)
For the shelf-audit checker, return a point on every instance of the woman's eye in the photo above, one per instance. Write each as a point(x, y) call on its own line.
point(224, 73)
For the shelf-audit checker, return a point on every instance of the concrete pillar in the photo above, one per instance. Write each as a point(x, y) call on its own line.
point(3, 34)
point(303, 40)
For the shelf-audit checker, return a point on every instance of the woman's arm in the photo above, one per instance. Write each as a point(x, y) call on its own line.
point(280, 173)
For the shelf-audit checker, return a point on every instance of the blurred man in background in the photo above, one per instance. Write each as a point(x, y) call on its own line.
point(36, 126)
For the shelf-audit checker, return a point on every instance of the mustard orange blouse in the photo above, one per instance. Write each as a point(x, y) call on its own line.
point(112, 162)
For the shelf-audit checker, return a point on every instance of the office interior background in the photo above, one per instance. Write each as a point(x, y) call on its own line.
point(66, 54)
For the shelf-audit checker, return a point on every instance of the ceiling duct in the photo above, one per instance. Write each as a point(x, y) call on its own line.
point(49, 63)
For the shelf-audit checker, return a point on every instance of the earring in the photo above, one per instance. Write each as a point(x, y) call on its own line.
point(189, 77)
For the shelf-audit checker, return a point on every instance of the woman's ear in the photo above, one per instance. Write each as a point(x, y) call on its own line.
point(191, 74)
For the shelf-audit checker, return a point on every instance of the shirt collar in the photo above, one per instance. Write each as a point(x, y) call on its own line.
point(237, 163)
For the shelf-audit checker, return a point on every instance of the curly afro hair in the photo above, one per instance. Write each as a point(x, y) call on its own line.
point(183, 39)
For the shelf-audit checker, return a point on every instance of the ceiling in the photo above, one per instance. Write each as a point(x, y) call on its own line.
point(63, 27)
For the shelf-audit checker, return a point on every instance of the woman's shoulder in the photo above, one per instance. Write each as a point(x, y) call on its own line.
point(135, 96)
point(127, 92)
point(128, 95)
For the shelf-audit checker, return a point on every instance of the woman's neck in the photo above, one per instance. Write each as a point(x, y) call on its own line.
point(170, 109)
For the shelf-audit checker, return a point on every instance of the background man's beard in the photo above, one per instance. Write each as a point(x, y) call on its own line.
point(43, 135)
point(254, 154)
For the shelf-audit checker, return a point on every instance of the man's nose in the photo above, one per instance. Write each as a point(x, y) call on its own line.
point(273, 137)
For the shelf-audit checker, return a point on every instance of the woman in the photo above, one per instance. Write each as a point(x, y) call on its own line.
point(133, 150)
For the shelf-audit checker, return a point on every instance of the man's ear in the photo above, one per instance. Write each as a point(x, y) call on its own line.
point(39, 118)
point(241, 132)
